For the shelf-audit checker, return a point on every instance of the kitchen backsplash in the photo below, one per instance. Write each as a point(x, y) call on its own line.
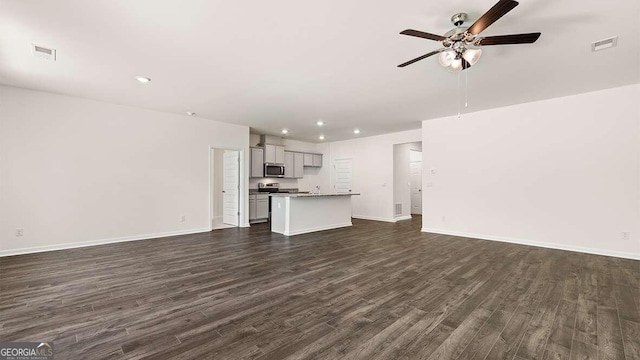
point(284, 183)
point(299, 184)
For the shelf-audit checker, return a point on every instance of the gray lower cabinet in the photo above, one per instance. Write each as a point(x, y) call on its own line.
point(262, 208)
point(258, 207)
point(257, 162)
point(298, 165)
point(253, 207)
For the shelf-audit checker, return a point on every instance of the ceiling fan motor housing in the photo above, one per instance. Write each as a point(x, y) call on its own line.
point(459, 19)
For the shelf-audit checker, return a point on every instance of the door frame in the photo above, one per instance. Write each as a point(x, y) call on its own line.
point(243, 200)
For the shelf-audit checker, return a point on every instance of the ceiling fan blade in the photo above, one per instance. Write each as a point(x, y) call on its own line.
point(509, 39)
point(420, 58)
point(422, 34)
point(465, 64)
point(498, 10)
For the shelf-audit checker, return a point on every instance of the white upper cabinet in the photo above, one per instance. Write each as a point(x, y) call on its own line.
point(317, 160)
point(274, 154)
point(257, 162)
point(289, 167)
point(298, 165)
point(270, 154)
point(279, 154)
point(308, 159)
point(313, 160)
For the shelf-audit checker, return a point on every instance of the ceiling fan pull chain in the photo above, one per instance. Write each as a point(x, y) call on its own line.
point(459, 95)
point(466, 89)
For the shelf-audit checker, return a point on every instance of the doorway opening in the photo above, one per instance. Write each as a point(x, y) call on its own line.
point(407, 180)
point(225, 175)
point(415, 180)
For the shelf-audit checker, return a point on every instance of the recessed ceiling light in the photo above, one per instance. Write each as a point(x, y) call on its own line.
point(356, 131)
point(321, 137)
point(190, 113)
point(320, 123)
point(285, 131)
point(143, 79)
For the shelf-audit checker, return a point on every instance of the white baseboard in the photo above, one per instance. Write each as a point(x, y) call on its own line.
point(38, 249)
point(402, 218)
point(319, 228)
point(620, 254)
point(374, 218)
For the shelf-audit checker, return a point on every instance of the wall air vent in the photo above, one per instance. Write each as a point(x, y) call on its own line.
point(43, 52)
point(604, 44)
point(398, 209)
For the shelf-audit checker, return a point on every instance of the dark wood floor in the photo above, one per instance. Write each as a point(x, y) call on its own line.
point(373, 291)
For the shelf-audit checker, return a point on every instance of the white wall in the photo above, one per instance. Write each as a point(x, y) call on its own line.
point(76, 171)
point(402, 176)
point(563, 173)
point(372, 159)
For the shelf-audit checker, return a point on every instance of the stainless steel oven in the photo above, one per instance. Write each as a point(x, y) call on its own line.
point(273, 170)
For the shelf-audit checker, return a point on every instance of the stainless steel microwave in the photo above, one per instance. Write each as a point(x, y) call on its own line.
point(273, 170)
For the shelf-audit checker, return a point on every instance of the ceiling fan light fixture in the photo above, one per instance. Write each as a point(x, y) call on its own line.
point(456, 65)
point(446, 57)
point(472, 55)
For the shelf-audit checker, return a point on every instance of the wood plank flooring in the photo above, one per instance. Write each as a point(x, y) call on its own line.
point(373, 291)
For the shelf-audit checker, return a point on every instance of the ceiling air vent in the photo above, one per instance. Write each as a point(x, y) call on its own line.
point(604, 44)
point(43, 52)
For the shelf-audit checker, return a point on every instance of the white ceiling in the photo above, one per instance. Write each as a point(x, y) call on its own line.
point(287, 63)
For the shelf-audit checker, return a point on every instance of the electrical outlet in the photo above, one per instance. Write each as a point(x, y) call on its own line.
point(626, 235)
point(183, 218)
point(19, 232)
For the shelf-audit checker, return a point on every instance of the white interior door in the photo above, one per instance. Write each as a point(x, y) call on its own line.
point(342, 176)
point(231, 184)
point(416, 187)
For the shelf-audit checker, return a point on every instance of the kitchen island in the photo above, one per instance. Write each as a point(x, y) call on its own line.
point(293, 214)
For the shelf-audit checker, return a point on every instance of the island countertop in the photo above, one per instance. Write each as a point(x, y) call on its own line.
point(309, 194)
point(301, 213)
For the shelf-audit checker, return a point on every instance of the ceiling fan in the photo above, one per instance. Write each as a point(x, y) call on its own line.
point(460, 50)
